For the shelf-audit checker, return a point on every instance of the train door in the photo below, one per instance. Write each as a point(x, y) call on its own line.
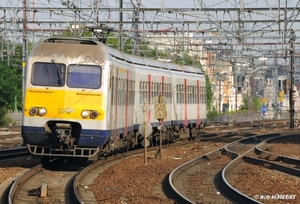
point(177, 99)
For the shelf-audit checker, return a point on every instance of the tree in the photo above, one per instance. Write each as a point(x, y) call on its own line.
point(256, 103)
point(10, 90)
point(209, 94)
point(10, 78)
point(249, 103)
point(10, 86)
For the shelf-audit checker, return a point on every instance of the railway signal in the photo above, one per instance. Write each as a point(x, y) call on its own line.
point(160, 109)
point(280, 96)
point(263, 109)
point(160, 115)
point(264, 100)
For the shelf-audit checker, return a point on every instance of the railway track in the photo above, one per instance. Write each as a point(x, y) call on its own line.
point(64, 183)
point(217, 167)
point(10, 137)
point(256, 123)
point(86, 177)
point(14, 153)
point(10, 131)
point(75, 182)
point(45, 184)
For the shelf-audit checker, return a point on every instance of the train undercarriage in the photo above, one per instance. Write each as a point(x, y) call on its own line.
point(63, 139)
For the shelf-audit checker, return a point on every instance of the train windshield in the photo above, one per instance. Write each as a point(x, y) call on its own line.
point(84, 76)
point(48, 74)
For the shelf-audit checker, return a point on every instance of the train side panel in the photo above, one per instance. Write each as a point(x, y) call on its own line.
point(188, 107)
point(122, 98)
point(152, 84)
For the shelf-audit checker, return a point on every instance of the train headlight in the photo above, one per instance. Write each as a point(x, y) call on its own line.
point(42, 111)
point(94, 114)
point(33, 111)
point(84, 114)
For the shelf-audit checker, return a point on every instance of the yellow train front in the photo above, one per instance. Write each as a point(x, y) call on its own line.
point(65, 99)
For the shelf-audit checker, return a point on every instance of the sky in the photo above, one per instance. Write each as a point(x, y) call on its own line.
point(162, 4)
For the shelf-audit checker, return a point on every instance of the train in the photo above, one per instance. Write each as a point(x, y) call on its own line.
point(84, 99)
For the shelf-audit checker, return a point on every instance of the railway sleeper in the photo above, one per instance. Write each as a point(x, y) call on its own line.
point(43, 189)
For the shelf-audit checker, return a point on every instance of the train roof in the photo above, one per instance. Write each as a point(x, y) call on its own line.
point(126, 57)
point(192, 69)
point(155, 63)
point(65, 46)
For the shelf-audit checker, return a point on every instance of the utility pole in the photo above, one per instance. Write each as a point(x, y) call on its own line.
point(291, 101)
point(136, 16)
point(145, 133)
point(121, 25)
point(220, 97)
point(233, 63)
point(275, 72)
point(24, 51)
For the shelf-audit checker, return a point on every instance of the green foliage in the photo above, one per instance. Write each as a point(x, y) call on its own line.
point(76, 33)
point(245, 103)
point(249, 103)
point(10, 80)
point(10, 86)
point(112, 41)
point(151, 53)
point(209, 94)
point(256, 103)
point(127, 44)
point(212, 113)
point(4, 118)
point(186, 59)
point(127, 47)
point(8, 121)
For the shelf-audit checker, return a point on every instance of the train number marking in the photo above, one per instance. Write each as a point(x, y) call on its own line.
point(91, 59)
point(65, 110)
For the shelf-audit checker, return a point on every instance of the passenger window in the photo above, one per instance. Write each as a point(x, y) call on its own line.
point(48, 74)
point(84, 76)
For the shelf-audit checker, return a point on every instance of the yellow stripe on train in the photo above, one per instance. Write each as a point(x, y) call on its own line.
point(62, 104)
point(122, 70)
